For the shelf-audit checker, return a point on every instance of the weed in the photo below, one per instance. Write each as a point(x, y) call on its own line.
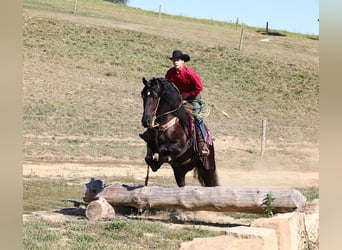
point(268, 204)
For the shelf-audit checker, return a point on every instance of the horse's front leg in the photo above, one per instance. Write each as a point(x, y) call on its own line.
point(149, 155)
point(153, 162)
point(179, 176)
point(155, 158)
point(167, 152)
point(152, 157)
point(164, 154)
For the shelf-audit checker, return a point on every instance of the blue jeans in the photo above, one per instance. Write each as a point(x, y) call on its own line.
point(197, 109)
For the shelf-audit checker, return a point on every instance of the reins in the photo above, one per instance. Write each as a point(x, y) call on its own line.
point(147, 175)
point(154, 118)
point(154, 124)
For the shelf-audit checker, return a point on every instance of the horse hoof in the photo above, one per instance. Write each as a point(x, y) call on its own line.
point(154, 168)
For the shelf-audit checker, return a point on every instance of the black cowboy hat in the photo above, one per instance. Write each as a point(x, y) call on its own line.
point(179, 54)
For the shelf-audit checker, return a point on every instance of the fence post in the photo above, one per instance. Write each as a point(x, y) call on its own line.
point(159, 11)
point(263, 136)
point(75, 7)
point(241, 40)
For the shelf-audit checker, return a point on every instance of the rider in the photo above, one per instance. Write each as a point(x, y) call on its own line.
point(189, 85)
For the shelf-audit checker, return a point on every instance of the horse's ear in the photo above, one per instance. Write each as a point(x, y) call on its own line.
point(157, 81)
point(144, 80)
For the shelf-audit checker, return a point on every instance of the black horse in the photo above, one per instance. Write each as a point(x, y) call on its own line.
point(171, 134)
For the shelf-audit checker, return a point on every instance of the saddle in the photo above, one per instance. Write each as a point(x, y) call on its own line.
point(196, 136)
point(202, 148)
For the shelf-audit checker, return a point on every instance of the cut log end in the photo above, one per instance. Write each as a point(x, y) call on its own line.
point(99, 210)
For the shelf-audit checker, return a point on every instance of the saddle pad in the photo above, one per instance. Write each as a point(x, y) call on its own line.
point(192, 129)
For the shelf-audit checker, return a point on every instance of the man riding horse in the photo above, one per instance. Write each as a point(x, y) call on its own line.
point(190, 86)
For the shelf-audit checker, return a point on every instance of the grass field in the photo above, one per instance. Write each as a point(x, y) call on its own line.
point(82, 83)
point(277, 81)
point(90, 64)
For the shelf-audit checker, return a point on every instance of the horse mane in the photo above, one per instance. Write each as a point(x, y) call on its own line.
point(172, 96)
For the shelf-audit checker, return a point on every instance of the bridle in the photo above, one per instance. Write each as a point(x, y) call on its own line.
point(169, 123)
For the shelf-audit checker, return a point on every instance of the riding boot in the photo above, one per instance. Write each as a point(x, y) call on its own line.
point(202, 145)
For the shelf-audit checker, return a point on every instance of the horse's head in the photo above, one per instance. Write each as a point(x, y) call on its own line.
point(151, 97)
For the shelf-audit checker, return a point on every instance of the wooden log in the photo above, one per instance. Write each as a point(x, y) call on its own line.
point(196, 198)
point(99, 210)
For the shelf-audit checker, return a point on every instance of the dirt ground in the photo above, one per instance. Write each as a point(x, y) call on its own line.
point(261, 177)
point(236, 168)
point(235, 165)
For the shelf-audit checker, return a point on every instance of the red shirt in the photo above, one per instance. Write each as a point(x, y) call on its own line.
point(187, 81)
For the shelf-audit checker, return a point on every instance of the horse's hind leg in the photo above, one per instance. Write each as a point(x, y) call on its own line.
point(180, 177)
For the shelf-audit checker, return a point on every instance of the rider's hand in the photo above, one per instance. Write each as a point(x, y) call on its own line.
point(188, 106)
point(184, 95)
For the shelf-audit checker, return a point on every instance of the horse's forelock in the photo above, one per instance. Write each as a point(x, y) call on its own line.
point(151, 85)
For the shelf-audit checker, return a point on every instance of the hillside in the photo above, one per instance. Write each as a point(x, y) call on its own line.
point(82, 78)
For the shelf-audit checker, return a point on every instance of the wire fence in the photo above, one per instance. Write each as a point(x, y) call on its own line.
point(62, 137)
point(118, 127)
point(65, 125)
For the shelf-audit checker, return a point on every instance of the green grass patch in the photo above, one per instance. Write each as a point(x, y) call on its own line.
point(46, 194)
point(105, 235)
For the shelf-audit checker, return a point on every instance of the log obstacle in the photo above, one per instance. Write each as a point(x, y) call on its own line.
point(195, 198)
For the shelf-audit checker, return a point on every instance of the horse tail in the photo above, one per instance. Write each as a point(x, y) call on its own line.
point(199, 177)
point(206, 178)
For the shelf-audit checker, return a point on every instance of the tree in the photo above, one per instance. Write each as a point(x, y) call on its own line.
point(123, 2)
